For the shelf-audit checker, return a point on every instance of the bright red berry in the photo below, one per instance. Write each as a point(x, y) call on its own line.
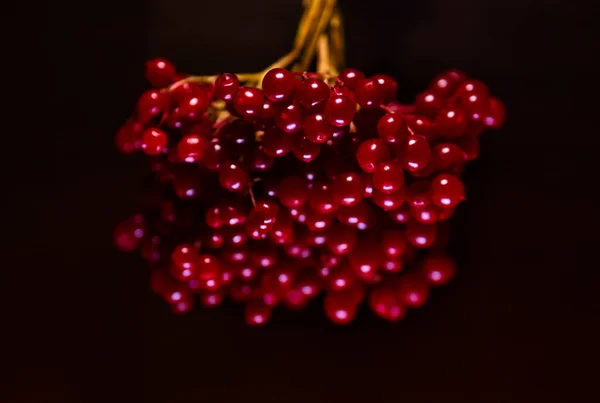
point(279, 84)
point(226, 86)
point(447, 190)
point(154, 141)
point(371, 153)
point(248, 101)
point(160, 72)
point(348, 189)
point(388, 177)
point(340, 110)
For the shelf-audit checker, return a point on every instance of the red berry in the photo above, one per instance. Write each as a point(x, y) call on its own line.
point(154, 141)
point(304, 149)
point(184, 257)
point(384, 302)
point(369, 94)
point(368, 180)
point(439, 269)
point(428, 103)
point(494, 118)
point(293, 192)
point(447, 190)
point(340, 110)
point(290, 119)
point(320, 198)
point(358, 216)
point(317, 129)
point(340, 277)
point(341, 240)
point(388, 177)
point(446, 83)
point(447, 157)
point(187, 184)
point(269, 111)
point(211, 299)
point(350, 77)
point(401, 215)
point(389, 201)
point(194, 106)
point(207, 268)
point(316, 221)
point(392, 265)
point(283, 230)
point(348, 189)
point(388, 86)
point(312, 92)
point(191, 148)
point(233, 177)
point(421, 235)
point(257, 313)
point(160, 72)
point(418, 194)
point(451, 122)
point(260, 161)
point(214, 155)
point(127, 235)
point(394, 243)
point(261, 219)
point(279, 84)
point(340, 307)
point(129, 137)
point(151, 104)
point(276, 143)
point(370, 153)
point(226, 86)
point(417, 153)
point(392, 129)
point(248, 101)
point(366, 259)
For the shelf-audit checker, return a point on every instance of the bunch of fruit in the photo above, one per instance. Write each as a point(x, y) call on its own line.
point(299, 184)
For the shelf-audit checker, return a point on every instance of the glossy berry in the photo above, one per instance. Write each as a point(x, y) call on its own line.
point(279, 84)
point(340, 110)
point(341, 240)
point(392, 129)
point(385, 303)
point(447, 157)
point(447, 190)
point(261, 219)
point(371, 153)
point(340, 307)
point(187, 184)
point(421, 235)
point(494, 118)
point(276, 143)
point(366, 259)
point(191, 148)
point(451, 122)
point(350, 77)
point(233, 177)
point(207, 268)
point(413, 292)
point(129, 137)
point(348, 189)
point(389, 201)
point(151, 104)
point(304, 149)
point(400, 215)
point(127, 235)
point(184, 256)
point(447, 83)
point(388, 177)
point(194, 106)
point(369, 94)
point(160, 72)
point(248, 101)
point(260, 161)
point(387, 85)
point(439, 269)
point(283, 230)
point(428, 103)
point(154, 141)
point(312, 92)
point(320, 198)
point(358, 216)
point(226, 86)
point(290, 118)
point(316, 221)
point(214, 155)
point(393, 244)
point(293, 192)
point(257, 313)
point(317, 129)
point(417, 153)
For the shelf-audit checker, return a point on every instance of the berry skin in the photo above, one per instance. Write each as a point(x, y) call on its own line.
point(494, 118)
point(276, 143)
point(417, 153)
point(340, 110)
point(260, 161)
point(388, 177)
point(290, 119)
point(371, 153)
point(350, 77)
point(293, 192)
point(248, 101)
point(428, 103)
point(413, 292)
point(184, 257)
point(340, 307)
point(439, 269)
point(348, 189)
point(385, 303)
point(312, 92)
point(418, 194)
point(233, 177)
point(447, 190)
point(369, 94)
point(191, 148)
point(257, 313)
point(262, 219)
point(279, 84)
point(207, 268)
point(393, 243)
point(127, 235)
point(447, 83)
point(366, 259)
point(226, 86)
point(283, 230)
point(151, 104)
point(392, 129)
point(421, 235)
point(304, 149)
point(320, 198)
point(129, 137)
point(447, 157)
point(160, 72)
point(341, 240)
point(391, 201)
point(451, 122)
point(317, 129)
point(388, 86)
point(401, 215)
point(154, 141)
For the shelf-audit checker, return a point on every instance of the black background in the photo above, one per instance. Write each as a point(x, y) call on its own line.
point(517, 325)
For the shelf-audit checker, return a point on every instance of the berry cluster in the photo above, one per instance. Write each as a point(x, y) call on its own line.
point(314, 183)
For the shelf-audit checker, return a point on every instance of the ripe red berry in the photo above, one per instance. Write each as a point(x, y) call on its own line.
point(393, 243)
point(320, 198)
point(340, 110)
point(151, 104)
point(447, 157)
point(290, 118)
point(446, 83)
point(392, 129)
point(184, 256)
point(401, 215)
point(350, 77)
point(293, 192)
point(154, 141)
point(413, 292)
point(191, 148)
point(340, 307)
point(260, 161)
point(341, 240)
point(494, 118)
point(447, 190)
point(384, 302)
point(127, 235)
point(276, 143)
point(417, 153)
point(160, 72)
point(439, 269)
point(421, 235)
point(371, 153)
point(451, 122)
point(129, 137)
point(279, 84)
point(389, 201)
point(428, 103)
point(248, 101)
point(348, 189)
point(387, 85)
point(369, 94)
point(388, 177)
point(262, 219)
point(304, 149)
point(226, 86)
point(257, 313)
point(233, 177)
point(358, 216)
point(317, 129)
point(312, 92)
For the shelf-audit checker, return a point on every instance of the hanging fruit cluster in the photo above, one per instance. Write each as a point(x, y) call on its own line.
point(271, 188)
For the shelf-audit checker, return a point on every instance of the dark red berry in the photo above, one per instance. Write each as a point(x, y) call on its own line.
point(317, 129)
point(392, 129)
point(293, 192)
point(371, 153)
point(191, 148)
point(388, 177)
point(369, 94)
point(226, 86)
point(350, 77)
point(417, 153)
point(340, 110)
point(154, 141)
point(248, 101)
point(279, 84)
point(348, 189)
point(160, 72)
point(447, 190)
point(233, 177)
point(312, 92)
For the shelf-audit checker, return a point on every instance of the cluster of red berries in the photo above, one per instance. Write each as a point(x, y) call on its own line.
point(311, 184)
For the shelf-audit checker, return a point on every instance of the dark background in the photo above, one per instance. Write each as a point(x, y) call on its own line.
point(519, 324)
